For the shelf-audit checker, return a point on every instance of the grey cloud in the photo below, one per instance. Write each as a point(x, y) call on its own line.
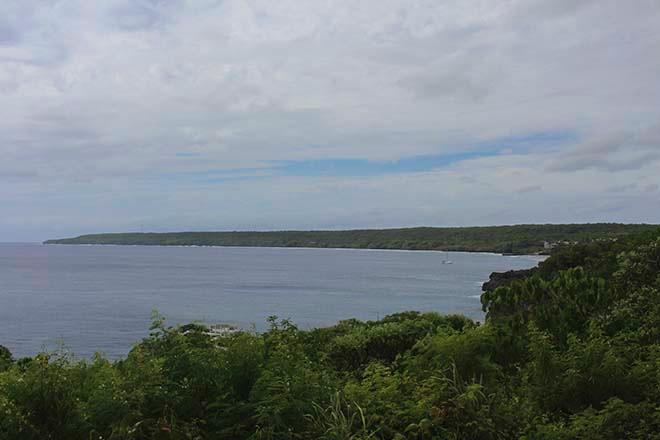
point(622, 188)
point(143, 14)
point(445, 84)
point(8, 34)
point(529, 189)
point(542, 9)
point(616, 152)
point(28, 36)
point(604, 162)
point(650, 136)
point(13, 18)
point(109, 91)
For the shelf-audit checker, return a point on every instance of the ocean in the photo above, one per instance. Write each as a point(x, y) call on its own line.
point(89, 299)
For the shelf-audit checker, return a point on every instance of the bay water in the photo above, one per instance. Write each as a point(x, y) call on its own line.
point(100, 298)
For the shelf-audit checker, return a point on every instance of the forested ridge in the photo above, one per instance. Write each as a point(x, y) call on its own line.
point(571, 351)
point(516, 239)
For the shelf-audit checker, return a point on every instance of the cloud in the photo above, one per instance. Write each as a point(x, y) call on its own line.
point(141, 99)
point(8, 34)
point(651, 188)
point(529, 189)
point(613, 152)
point(622, 188)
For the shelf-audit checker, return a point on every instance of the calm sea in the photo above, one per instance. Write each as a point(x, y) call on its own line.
point(100, 298)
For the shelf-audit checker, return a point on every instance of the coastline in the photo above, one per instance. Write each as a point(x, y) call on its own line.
point(515, 240)
point(462, 251)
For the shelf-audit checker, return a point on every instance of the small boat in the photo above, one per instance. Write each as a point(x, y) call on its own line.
point(447, 260)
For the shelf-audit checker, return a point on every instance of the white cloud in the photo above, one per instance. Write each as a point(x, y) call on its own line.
point(102, 99)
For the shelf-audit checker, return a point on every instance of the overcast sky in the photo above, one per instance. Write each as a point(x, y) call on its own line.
point(156, 115)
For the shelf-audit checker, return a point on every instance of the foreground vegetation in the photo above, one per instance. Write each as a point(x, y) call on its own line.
point(571, 352)
point(519, 239)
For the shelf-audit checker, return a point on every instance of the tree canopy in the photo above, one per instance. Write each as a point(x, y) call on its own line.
point(517, 239)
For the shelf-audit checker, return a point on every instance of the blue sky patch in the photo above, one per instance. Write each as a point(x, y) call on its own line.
point(363, 167)
point(356, 167)
point(421, 163)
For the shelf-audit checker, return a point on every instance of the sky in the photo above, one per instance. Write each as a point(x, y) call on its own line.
point(166, 115)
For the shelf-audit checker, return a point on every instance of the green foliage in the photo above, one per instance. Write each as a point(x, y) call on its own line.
point(387, 396)
point(385, 340)
point(6, 358)
point(518, 239)
point(45, 395)
point(639, 267)
point(470, 352)
point(616, 420)
point(288, 385)
point(341, 420)
point(561, 306)
point(571, 351)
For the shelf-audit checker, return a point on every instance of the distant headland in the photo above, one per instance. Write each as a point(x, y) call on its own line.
point(514, 239)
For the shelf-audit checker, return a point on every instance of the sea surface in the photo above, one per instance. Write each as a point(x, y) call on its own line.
point(100, 298)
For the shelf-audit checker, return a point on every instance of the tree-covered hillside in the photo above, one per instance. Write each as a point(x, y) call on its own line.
point(518, 239)
point(570, 352)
